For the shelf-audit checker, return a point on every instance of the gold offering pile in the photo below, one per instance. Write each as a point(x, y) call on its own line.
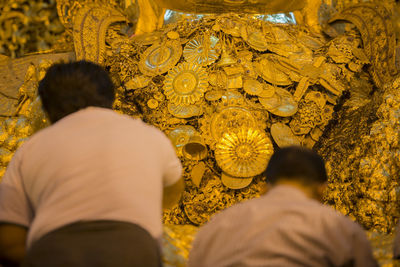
point(227, 90)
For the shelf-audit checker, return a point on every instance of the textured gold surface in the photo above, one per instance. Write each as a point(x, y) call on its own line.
point(244, 153)
point(304, 75)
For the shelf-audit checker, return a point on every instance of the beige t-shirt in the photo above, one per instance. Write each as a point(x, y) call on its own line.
point(283, 228)
point(94, 164)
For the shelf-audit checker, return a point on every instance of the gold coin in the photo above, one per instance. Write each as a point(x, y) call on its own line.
point(152, 103)
point(235, 182)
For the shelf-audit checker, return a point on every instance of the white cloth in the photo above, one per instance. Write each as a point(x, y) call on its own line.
point(283, 228)
point(94, 164)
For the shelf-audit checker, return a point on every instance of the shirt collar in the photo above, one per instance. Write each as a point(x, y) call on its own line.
point(286, 191)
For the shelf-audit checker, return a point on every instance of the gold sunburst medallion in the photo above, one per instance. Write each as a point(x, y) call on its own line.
point(202, 50)
point(185, 84)
point(160, 57)
point(244, 153)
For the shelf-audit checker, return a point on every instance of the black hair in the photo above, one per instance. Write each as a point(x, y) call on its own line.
point(298, 164)
point(69, 87)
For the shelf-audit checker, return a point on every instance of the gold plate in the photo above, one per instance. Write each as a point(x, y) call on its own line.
point(257, 41)
point(230, 26)
point(185, 111)
point(235, 182)
point(202, 51)
point(283, 135)
point(253, 87)
point(185, 84)
point(231, 119)
point(281, 103)
point(159, 58)
point(245, 153)
point(269, 70)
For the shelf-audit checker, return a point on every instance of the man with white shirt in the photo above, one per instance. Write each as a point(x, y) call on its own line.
point(286, 227)
point(88, 190)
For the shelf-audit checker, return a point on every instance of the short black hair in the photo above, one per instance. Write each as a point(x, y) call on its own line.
point(298, 164)
point(69, 87)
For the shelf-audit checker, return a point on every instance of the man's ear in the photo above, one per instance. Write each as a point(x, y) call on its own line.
point(321, 189)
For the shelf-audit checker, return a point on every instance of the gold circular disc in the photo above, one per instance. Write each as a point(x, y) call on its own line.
point(185, 84)
point(281, 103)
point(245, 153)
point(257, 41)
point(184, 111)
point(283, 135)
point(159, 58)
point(235, 182)
point(253, 87)
point(231, 119)
point(200, 51)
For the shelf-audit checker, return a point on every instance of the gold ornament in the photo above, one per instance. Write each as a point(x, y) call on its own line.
point(253, 87)
point(184, 111)
point(231, 119)
point(245, 153)
point(269, 70)
point(152, 103)
point(213, 95)
point(147, 38)
point(283, 135)
point(235, 182)
point(195, 148)
point(281, 103)
point(202, 50)
point(180, 136)
point(268, 91)
point(185, 84)
point(137, 82)
point(160, 57)
point(257, 41)
point(173, 35)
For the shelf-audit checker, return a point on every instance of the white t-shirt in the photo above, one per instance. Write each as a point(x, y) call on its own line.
point(91, 165)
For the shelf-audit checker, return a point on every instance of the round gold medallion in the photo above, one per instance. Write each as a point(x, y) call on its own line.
point(201, 50)
point(159, 58)
point(231, 119)
point(257, 41)
point(180, 136)
point(185, 84)
point(245, 153)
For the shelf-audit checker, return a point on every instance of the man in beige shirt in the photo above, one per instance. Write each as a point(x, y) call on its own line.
point(87, 190)
point(286, 227)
